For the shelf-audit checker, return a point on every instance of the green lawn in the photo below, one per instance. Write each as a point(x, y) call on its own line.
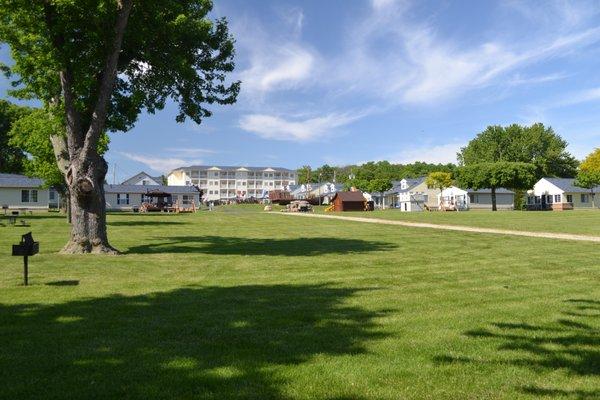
point(238, 304)
point(585, 222)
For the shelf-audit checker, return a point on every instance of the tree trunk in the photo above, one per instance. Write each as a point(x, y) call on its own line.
point(494, 207)
point(86, 190)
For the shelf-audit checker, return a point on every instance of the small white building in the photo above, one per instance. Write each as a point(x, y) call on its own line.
point(414, 195)
point(454, 198)
point(22, 192)
point(561, 194)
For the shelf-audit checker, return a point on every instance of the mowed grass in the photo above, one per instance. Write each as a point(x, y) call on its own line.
point(239, 304)
point(585, 222)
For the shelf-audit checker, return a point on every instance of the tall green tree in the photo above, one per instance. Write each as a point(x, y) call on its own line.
point(535, 144)
point(304, 175)
point(12, 157)
point(494, 175)
point(100, 63)
point(589, 173)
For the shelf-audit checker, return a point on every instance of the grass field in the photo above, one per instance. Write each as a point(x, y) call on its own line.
point(237, 304)
point(585, 222)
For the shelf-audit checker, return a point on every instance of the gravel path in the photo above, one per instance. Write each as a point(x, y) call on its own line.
point(547, 235)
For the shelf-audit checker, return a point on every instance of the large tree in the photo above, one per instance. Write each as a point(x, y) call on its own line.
point(535, 144)
point(494, 175)
point(589, 173)
point(100, 63)
point(12, 157)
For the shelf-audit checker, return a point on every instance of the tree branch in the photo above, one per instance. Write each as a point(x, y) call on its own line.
point(109, 73)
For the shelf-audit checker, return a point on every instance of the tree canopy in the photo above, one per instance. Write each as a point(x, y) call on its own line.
point(12, 157)
point(97, 64)
point(589, 170)
point(439, 180)
point(535, 144)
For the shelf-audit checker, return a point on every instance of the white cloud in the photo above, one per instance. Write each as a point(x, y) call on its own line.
point(578, 97)
point(278, 67)
point(424, 67)
point(160, 164)
point(444, 153)
point(278, 128)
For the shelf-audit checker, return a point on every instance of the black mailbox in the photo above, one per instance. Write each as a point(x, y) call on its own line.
point(27, 247)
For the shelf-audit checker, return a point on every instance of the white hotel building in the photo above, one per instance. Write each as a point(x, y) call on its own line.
point(228, 183)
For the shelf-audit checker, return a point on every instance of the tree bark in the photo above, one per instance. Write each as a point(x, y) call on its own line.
point(494, 207)
point(88, 208)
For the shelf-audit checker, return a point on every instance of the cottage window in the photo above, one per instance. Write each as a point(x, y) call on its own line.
point(34, 196)
point(24, 196)
point(569, 198)
point(585, 198)
point(549, 199)
point(52, 195)
point(557, 198)
point(123, 198)
point(186, 199)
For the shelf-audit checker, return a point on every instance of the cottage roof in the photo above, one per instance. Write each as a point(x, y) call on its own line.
point(19, 181)
point(488, 190)
point(350, 196)
point(141, 189)
point(134, 179)
point(568, 185)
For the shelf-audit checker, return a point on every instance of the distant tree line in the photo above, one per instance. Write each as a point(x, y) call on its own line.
point(360, 175)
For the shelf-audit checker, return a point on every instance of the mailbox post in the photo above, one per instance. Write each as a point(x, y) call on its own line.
point(26, 248)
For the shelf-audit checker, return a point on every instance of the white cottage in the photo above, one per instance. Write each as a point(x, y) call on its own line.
point(454, 198)
point(22, 192)
point(561, 194)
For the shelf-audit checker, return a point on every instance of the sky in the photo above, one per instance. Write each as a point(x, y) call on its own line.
point(350, 81)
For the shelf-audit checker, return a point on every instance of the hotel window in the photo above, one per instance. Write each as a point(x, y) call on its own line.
point(557, 198)
point(584, 198)
point(122, 198)
point(569, 198)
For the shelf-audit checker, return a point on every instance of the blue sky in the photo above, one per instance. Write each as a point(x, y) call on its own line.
point(343, 82)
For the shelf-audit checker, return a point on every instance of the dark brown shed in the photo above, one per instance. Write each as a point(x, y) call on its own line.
point(349, 201)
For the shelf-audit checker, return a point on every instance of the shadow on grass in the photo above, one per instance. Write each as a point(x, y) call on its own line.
point(570, 344)
point(138, 222)
point(207, 343)
point(275, 247)
point(63, 283)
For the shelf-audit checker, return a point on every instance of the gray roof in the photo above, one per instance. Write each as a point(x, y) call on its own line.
point(412, 182)
point(234, 167)
point(141, 189)
point(19, 181)
point(568, 185)
point(137, 177)
point(488, 190)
